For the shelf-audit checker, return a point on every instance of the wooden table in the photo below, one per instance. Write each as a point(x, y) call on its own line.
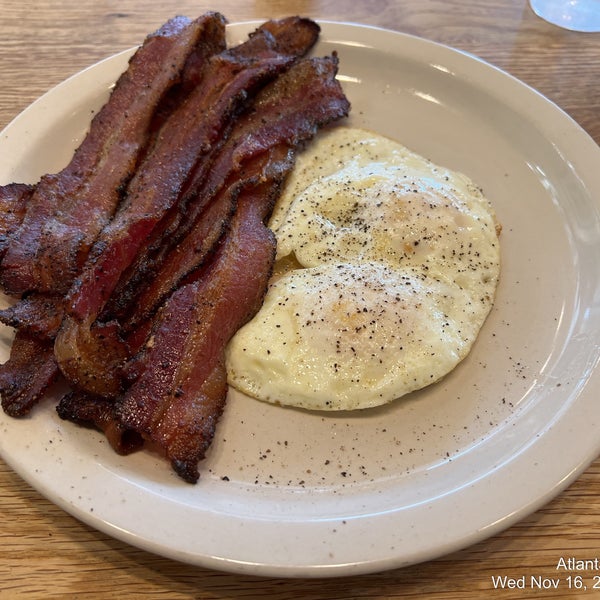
point(47, 553)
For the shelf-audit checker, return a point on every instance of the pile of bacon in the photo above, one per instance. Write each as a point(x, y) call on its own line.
point(134, 266)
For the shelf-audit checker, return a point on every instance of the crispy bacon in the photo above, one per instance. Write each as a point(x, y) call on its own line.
point(67, 210)
point(98, 412)
point(181, 386)
point(41, 312)
point(116, 133)
point(13, 204)
point(181, 151)
point(286, 113)
point(292, 36)
point(27, 374)
point(197, 246)
point(183, 257)
point(36, 314)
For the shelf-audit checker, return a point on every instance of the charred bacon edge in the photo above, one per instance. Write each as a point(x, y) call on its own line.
point(28, 373)
point(97, 412)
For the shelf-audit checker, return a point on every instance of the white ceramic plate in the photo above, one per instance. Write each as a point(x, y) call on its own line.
point(291, 493)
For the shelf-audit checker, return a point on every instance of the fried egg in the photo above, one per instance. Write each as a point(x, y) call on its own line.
point(387, 267)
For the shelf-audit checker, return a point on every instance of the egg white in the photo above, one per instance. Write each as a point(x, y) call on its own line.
point(388, 266)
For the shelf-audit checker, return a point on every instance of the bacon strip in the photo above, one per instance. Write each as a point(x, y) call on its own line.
point(102, 413)
point(195, 248)
point(84, 213)
point(67, 210)
point(41, 314)
point(146, 86)
point(36, 314)
point(191, 215)
point(181, 389)
point(292, 35)
point(286, 113)
point(182, 147)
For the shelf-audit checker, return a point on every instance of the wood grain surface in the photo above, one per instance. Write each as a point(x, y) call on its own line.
point(45, 553)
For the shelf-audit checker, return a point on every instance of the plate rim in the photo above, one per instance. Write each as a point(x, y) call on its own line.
point(330, 569)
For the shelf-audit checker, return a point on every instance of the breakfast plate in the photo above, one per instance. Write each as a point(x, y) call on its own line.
point(291, 493)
